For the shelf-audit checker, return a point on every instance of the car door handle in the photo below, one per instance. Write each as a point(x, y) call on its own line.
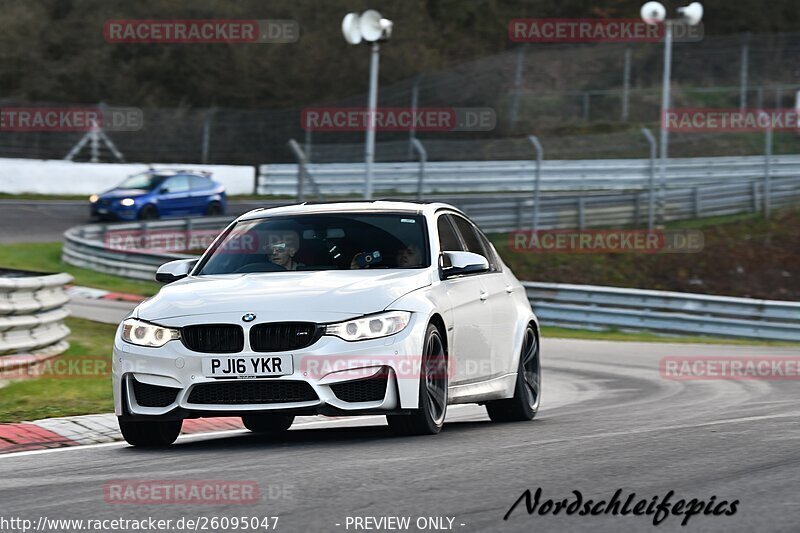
point(509, 289)
point(484, 295)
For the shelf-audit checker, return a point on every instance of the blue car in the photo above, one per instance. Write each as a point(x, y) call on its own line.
point(160, 193)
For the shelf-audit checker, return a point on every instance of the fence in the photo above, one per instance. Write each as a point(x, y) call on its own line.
point(547, 88)
point(588, 306)
point(32, 312)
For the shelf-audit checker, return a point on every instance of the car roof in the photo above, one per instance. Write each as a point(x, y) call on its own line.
point(167, 172)
point(366, 206)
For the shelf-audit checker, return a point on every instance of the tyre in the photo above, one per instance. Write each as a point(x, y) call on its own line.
point(148, 212)
point(428, 419)
point(150, 433)
point(527, 393)
point(214, 209)
point(267, 424)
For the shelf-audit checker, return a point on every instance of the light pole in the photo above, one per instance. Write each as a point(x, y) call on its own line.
point(656, 13)
point(369, 27)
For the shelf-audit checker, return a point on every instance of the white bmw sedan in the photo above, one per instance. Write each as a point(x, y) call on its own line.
point(389, 308)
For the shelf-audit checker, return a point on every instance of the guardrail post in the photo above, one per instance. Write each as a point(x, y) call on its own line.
point(520, 206)
point(581, 213)
point(756, 203)
point(637, 200)
point(423, 158)
point(652, 207)
point(537, 184)
point(698, 206)
point(301, 168)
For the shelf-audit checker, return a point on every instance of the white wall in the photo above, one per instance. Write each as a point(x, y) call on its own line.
point(65, 177)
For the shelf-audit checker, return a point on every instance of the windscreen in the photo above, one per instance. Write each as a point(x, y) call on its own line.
point(320, 242)
point(141, 181)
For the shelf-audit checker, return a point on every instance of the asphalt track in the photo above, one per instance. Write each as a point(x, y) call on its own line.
point(47, 220)
point(608, 421)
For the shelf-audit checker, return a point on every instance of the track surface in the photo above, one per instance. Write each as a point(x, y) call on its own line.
point(46, 221)
point(608, 421)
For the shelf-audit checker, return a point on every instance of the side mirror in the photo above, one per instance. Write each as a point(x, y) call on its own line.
point(454, 264)
point(163, 190)
point(175, 270)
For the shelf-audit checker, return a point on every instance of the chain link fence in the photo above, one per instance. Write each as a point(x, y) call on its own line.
point(587, 101)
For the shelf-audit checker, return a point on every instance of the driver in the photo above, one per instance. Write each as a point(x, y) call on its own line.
point(282, 253)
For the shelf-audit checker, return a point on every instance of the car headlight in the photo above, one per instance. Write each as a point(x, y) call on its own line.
point(127, 202)
point(93, 198)
point(144, 334)
point(370, 327)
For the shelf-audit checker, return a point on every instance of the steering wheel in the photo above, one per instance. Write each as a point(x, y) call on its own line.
point(266, 266)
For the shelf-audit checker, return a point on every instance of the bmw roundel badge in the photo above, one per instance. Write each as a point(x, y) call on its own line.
point(249, 317)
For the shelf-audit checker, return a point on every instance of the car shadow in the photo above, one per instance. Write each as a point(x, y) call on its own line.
point(313, 436)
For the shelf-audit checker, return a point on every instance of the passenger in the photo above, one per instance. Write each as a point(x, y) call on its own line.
point(409, 256)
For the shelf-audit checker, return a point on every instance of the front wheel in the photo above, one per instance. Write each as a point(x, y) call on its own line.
point(428, 419)
point(267, 424)
point(148, 212)
point(150, 433)
point(525, 403)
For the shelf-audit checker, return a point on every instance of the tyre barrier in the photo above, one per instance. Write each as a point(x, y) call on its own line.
point(32, 312)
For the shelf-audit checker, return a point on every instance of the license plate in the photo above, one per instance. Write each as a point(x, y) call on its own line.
point(102, 211)
point(247, 367)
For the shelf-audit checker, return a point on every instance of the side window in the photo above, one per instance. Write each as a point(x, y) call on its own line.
point(475, 242)
point(448, 240)
point(494, 264)
point(177, 184)
point(199, 183)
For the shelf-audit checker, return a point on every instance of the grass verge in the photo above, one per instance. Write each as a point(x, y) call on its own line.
point(46, 257)
point(85, 388)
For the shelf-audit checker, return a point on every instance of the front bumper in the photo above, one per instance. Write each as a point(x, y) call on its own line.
point(112, 212)
point(321, 371)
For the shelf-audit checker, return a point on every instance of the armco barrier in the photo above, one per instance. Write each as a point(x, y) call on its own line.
point(84, 246)
point(493, 176)
point(32, 312)
point(593, 307)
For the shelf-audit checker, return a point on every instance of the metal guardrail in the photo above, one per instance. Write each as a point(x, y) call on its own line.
point(32, 312)
point(594, 307)
point(493, 176)
point(85, 246)
point(88, 246)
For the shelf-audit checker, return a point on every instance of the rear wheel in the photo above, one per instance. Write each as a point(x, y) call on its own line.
point(148, 212)
point(268, 424)
point(150, 433)
point(525, 403)
point(428, 419)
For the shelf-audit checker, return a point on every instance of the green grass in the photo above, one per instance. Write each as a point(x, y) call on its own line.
point(46, 257)
point(66, 395)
